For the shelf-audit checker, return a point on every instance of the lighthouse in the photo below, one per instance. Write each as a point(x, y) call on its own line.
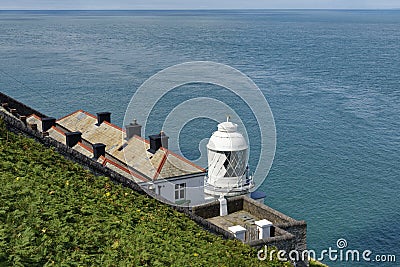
point(228, 173)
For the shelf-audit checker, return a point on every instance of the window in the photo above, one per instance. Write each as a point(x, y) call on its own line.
point(180, 191)
point(235, 163)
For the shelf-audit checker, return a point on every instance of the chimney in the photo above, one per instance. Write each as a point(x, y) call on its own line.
point(23, 119)
point(99, 149)
point(13, 111)
point(4, 105)
point(73, 138)
point(103, 116)
point(157, 141)
point(164, 140)
point(133, 129)
point(47, 123)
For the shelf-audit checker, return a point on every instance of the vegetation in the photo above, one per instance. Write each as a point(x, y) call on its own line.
point(54, 212)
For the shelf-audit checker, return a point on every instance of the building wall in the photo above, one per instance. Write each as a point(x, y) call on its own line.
point(194, 190)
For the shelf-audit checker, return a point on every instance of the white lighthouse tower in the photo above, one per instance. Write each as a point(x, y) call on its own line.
point(227, 152)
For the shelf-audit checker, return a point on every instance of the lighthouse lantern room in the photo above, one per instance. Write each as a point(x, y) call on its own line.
point(227, 152)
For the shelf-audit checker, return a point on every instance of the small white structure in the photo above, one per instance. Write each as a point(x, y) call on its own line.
point(264, 228)
point(223, 206)
point(227, 152)
point(238, 231)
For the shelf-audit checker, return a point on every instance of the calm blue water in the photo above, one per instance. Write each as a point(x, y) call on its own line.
point(331, 79)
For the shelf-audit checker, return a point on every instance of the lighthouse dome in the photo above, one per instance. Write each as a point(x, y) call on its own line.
point(227, 126)
point(227, 138)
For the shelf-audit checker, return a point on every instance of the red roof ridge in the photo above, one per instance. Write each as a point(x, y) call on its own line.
point(85, 147)
point(142, 139)
point(35, 116)
point(124, 169)
point(89, 114)
point(113, 125)
point(167, 151)
point(79, 110)
point(159, 169)
point(173, 154)
point(106, 122)
point(58, 130)
point(183, 159)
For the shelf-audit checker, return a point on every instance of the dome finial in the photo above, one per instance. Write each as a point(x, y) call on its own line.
point(228, 117)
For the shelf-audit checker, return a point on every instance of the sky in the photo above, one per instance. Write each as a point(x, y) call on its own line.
point(199, 4)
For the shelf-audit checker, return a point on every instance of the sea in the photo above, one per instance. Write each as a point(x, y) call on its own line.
point(331, 78)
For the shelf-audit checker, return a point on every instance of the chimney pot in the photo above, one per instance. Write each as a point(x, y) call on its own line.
point(73, 138)
point(157, 141)
point(164, 140)
point(13, 111)
point(102, 117)
point(99, 149)
point(4, 105)
point(133, 129)
point(23, 119)
point(47, 123)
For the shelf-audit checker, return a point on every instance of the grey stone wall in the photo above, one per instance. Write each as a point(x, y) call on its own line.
point(208, 210)
point(297, 228)
point(282, 240)
point(211, 209)
point(276, 217)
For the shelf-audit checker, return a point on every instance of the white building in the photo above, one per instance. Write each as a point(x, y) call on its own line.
point(150, 163)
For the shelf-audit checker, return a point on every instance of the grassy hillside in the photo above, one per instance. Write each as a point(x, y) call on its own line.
point(54, 212)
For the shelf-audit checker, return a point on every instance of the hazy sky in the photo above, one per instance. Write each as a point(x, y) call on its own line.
point(196, 4)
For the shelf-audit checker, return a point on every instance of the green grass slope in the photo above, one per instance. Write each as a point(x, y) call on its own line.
point(54, 212)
